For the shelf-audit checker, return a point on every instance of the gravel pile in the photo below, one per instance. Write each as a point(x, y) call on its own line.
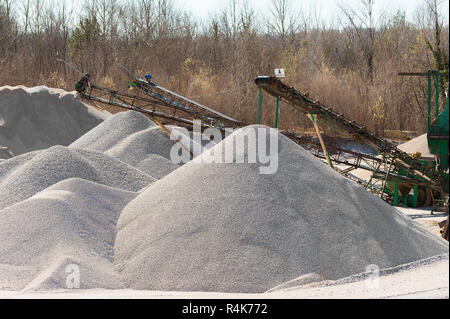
point(135, 148)
point(133, 139)
point(113, 130)
point(418, 144)
point(227, 228)
point(157, 166)
point(98, 204)
point(71, 222)
point(191, 139)
point(40, 117)
point(59, 207)
point(23, 176)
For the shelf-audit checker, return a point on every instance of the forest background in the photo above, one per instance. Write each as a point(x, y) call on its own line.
point(350, 65)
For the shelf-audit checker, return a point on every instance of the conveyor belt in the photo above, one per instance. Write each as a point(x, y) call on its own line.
point(148, 105)
point(203, 112)
point(417, 171)
point(182, 103)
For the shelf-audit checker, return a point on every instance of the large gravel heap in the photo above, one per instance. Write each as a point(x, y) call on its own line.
point(59, 206)
point(417, 144)
point(40, 117)
point(133, 139)
point(71, 222)
point(113, 204)
point(25, 175)
point(225, 227)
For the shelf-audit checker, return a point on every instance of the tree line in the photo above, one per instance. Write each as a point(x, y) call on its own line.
point(351, 64)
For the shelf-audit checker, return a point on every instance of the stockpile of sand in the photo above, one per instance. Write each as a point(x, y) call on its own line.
point(226, 227)
point(157, 166)
point(196, 141)
point(40, 117)
point(133, 139)
point(23, 176)
point(418, 144)
point(113, 131)
point(97, 205)
point(59, 206)
point(70, 223)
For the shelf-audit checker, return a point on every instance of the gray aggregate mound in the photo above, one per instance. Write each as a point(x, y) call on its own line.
point(194, 141)
point(157, 166)
point(227, 228)
point(133, 139)
point(40, 117)
point(7, 166)
point(135, 148)
point(418, 144)
point(70, 223)
point(113, 130)
point(41, 169)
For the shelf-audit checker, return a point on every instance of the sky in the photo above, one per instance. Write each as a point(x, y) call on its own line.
point(327, 9)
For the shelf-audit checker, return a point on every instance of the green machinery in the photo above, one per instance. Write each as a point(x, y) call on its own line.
point(397, 177)
point(437, 138)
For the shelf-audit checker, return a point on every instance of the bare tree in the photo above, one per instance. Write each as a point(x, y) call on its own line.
point(218, 64)
point(146, 19)
point(7, 29)
point(283, 20)
point(26, 15)
point(433, 23)
point(365, 25)
point(107, 11)
point(36, 25)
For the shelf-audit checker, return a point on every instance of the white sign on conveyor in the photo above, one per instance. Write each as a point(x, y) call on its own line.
point(279, 73)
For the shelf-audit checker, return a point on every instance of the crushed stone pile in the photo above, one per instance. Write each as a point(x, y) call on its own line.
point(40, 117)
point(113, 131)
point(114, 205)
point(227, 228)
point(59, 206)
point(70, 223)
point(156, 166)
point(23, 176)
point(133, 139)
point(191, 139)
point(417, 144)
